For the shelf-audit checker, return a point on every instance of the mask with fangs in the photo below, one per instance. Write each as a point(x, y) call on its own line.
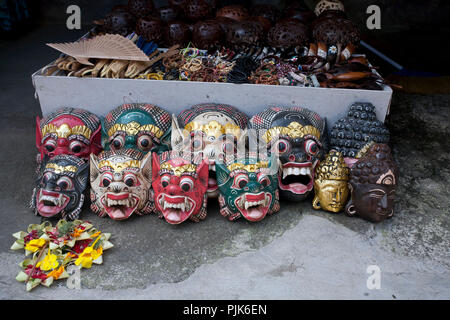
point(142, 127)
point(297, 136)
point(59, 192)
point(180, 185)
point(121, 184)
point(214, 131)
point(248, 188)
point(68, 131)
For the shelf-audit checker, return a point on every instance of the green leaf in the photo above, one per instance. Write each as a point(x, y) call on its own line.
point(65, 227)
point(19, 235)
point(26, 263)
point(48, 282)
point(71, 243)
point(53, 246)
point(16, 246)
point(21, 276)
point(32, 283)
point(98, 244)
point(107, 245)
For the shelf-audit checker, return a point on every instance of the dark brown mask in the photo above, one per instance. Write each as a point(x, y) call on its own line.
point(373, 182)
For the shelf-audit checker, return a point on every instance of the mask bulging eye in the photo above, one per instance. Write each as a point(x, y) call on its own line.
point(145, 142)
point(197, 143)
point(76, 146)
point(281, 146)
point(106, 180)
point(118, 143)
point(263, 180)
point(50, 145)
point(186, 184)
point(65, 183)
point(311, 147)
point(240, 181)
point(130, 180)
point(47, 176)
point(165, 181)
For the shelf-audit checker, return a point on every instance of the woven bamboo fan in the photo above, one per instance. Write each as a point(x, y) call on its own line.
point(108, 46)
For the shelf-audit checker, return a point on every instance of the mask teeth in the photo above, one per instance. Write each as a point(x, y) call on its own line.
point(267, 200)
point(187, 204)
point(54, 200)
point(184, 206)
point(161, 201)
point(60, 200)
point(305, 171)
point(241, 202)
point(129, 202)
point(249, 204)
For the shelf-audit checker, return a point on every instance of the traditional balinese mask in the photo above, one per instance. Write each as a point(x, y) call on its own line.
point(373, 181)
point(248, 188)
point(68, 131)
point(180, 186)
point(298, 137)
point(213, 131)
point(331, 183)
point(143, 127)
point(120, 184)
point(59, 192)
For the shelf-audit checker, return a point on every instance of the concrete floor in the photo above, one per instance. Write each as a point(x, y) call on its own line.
point(298, 253)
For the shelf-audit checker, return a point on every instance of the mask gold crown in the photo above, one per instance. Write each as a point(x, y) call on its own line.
point(60, 169)
point(119, 166)
point(178, 171)
point(133, 128)
point(293, 130)
point(333, 168)
point(214, 128)
point(64, 130)
point(252, 167)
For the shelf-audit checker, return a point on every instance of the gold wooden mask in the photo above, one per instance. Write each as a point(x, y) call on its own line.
point(330, 184)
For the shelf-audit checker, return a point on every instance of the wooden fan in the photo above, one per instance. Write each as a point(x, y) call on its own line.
point(108, 46)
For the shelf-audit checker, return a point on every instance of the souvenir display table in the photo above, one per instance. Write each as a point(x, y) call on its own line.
point(162, 111)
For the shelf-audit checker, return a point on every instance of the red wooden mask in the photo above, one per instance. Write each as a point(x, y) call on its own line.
point(180, 187)
point(68, 131)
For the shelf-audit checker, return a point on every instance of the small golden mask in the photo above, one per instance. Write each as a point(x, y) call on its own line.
point(330, 183)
